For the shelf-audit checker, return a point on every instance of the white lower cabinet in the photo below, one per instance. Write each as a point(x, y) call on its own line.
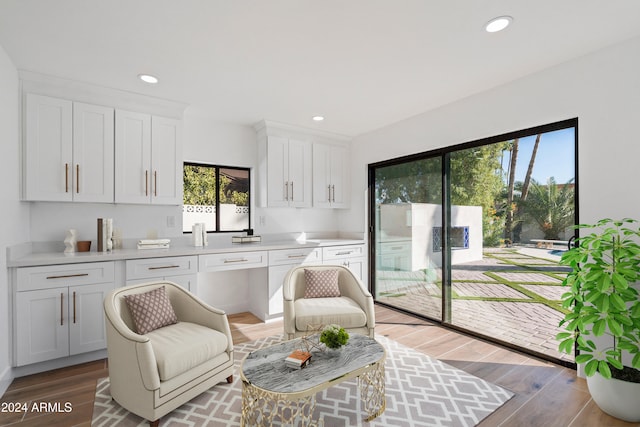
point(182, 270)
point(350, 256)
point(280, 262)
point(59, 311)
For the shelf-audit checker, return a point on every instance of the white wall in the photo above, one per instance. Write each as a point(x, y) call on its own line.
point(14, 226)
point(601, 89)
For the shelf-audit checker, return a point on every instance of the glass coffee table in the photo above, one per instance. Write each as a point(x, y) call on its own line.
point(273, 392)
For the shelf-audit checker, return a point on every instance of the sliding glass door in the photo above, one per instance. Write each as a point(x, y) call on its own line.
point(408, 236)
point(471, 235)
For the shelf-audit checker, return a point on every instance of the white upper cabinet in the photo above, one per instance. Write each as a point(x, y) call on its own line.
point(148, 159)
point(68, 150)
point(92, 153)
point(288, 165)
point(330, 176)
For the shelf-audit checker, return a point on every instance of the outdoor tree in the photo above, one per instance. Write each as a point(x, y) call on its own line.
point(476, 180)
point(551, 206)
point(199, 185)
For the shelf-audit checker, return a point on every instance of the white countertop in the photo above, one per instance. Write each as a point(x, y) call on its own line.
point(25, 258)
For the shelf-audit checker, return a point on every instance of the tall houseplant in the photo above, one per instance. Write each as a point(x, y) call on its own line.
point(602, 300)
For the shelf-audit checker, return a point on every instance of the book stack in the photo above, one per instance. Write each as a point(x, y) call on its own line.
point(154, 243)
point(298, 359)
point(246, 239)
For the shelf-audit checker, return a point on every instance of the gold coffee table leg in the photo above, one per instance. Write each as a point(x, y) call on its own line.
point(372, 391)
point(263, 408)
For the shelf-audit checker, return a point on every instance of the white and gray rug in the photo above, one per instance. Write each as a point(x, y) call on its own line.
point(421, 392)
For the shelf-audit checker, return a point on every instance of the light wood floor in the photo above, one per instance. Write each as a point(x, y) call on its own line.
point(547, 395)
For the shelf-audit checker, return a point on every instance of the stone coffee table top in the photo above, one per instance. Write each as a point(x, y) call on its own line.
point(265, 368)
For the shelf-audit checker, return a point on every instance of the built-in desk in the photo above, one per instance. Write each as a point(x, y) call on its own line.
point(59, 300)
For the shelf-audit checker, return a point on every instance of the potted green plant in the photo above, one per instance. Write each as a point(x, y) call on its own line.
point(334, 336)
point(603, 321)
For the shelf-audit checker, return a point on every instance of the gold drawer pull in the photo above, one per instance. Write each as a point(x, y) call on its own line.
point(163, 266)
point(344, 253)
point(297, 256)
point(226, 261)
point(68, 275)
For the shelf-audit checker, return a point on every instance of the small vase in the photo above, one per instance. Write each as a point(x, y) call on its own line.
point(70, 241)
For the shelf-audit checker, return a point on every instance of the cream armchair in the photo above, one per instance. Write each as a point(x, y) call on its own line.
point(353, 309)
point(155, 373)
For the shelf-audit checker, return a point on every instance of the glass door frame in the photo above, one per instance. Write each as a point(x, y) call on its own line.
point(444, 153)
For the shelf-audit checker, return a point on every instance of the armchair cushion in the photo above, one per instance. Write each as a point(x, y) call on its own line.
point(342, 311)
point(151, 310)
point(182, 346)
point(321, 283)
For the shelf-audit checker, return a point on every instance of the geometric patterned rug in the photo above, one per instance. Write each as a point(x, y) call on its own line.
point(420, 391)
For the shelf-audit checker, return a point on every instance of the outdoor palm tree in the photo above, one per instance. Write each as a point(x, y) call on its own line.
point(550, 206)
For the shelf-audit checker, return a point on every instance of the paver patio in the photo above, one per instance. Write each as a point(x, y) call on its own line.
point(512, 294)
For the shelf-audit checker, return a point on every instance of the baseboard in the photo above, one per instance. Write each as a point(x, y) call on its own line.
point(63, 362)
point(5, 380)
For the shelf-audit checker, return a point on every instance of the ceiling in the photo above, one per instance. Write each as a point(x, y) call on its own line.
point(363, 64)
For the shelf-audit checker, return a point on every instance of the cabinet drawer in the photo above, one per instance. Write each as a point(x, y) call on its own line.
point(53, 276)
point(232, 261)
point(295, 256)
point(150, 268)
point(341, 252)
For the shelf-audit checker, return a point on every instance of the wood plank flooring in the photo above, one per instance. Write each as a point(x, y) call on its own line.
point(547, 395)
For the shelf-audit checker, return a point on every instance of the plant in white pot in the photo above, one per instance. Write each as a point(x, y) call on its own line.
point(603, 321)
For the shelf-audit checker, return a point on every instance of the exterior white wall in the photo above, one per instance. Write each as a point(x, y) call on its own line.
point(600, 89)
point(14, 225)
point(415, 222)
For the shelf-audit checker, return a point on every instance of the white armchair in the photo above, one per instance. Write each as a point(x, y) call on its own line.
point(155, 373)
point(353, 309)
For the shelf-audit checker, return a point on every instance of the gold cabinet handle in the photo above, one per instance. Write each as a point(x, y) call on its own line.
point(293, 197)
point(333, 187)
point(297, 256)
point(227, 261)
point(74, 307)
point(61, 309)
point(77, 178)
point(68, 275)
point(286, 189)
point(329, 187)
point(155, 183)
point(162, 267)
point(66, 177)
point(146, 182)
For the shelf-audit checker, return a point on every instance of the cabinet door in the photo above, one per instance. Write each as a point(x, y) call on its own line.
point(93, 151)
point(48, 148)
point(133, 157)
point(330, 176)
point(42, 330)
point(321, 176)
point(300, 168)
point(86, 317)
point(278, 192)
point(338, 161)
point(166, 161)
point(275, 305)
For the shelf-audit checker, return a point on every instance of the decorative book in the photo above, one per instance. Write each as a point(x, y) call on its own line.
point(298, 359)
point(245, 239)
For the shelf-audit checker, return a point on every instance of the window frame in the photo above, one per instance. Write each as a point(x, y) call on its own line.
point(217, 169)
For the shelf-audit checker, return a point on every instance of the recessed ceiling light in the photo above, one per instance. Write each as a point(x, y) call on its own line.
point(498, 24)
point(318, 118)
point(148, 78)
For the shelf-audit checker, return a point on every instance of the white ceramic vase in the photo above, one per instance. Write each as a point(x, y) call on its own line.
point(70, 241)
